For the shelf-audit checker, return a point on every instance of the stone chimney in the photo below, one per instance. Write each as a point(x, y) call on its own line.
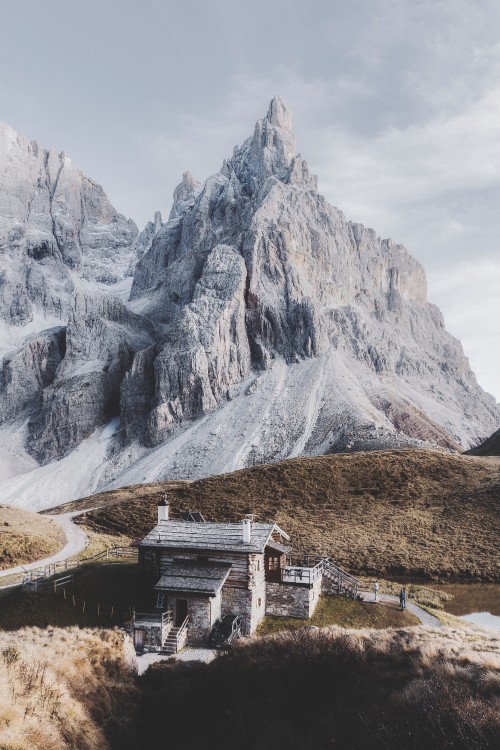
point(247, 529)
point(163, 509)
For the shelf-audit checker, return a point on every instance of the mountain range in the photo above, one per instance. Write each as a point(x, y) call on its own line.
point(256, 323)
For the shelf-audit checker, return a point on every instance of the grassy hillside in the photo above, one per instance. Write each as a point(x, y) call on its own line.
point(63, 689)
point(387, 513)
point(490, 447)
point(399, 689)
point(346, 613)
point(26, 537)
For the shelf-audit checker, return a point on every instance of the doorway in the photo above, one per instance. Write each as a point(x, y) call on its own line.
point(181, 610)
point(139, 634)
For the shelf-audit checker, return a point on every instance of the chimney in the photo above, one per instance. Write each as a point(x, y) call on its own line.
point(163, 509)
point(247, 529)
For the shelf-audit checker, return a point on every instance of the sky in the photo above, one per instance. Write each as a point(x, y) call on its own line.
point(396, 108)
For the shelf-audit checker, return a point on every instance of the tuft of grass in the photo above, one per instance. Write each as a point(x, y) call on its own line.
point(417, 513)
point(70, 689)
point(26, 537)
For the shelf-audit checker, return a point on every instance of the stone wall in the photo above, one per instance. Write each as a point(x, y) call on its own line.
point(152, 634)
point(250, 605)
point(292, 599)
point(236, 601)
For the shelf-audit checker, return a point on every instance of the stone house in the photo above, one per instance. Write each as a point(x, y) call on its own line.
point(200, 571)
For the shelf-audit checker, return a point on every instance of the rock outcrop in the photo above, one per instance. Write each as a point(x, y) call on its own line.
point(55, 224)
point(101, 339)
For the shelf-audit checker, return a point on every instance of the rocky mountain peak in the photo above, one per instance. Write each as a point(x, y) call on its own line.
point(184, 195)
point(261, 323)
point(280, 114)
point(56, 227)
point(157, 222)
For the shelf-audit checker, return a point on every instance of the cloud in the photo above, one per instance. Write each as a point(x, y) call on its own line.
point(469, 297)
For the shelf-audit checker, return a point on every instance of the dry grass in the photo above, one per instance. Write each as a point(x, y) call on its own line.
point(346, 613)
point(397, 689)
point(424, 596)
point(388, 513)
point(26, 537)
point(62, 689)
point(99, 542)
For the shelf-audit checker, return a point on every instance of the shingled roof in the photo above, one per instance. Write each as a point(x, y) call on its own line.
point(210, 536)
point(201, 578)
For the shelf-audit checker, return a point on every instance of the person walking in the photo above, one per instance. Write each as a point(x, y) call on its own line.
point(402, 598)
point(375, 591)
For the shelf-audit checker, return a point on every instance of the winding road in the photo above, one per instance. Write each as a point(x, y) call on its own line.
point(76, 541)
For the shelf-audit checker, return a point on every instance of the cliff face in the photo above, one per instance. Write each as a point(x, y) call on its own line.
point(55, 224)
point(261, 323)
point(314, 286)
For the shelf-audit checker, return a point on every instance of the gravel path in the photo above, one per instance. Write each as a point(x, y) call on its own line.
point(424, 617)
point(205, 655)
point(76, 541)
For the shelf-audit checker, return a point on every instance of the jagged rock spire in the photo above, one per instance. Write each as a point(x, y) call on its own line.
point(184, 195)
point(280, 114)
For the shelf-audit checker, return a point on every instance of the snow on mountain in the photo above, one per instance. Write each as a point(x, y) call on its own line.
point(261, 324)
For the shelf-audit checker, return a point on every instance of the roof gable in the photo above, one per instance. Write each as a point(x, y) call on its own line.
point(194, 578)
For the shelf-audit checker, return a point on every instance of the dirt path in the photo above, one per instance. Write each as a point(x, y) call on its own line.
point(424, 617)
point(76, 541)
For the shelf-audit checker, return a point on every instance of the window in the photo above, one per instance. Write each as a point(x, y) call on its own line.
point(273, 563)
point(259, 602)
point(258, 564)
point(160, 600)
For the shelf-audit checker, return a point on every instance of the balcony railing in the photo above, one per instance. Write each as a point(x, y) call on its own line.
point(307, 569)
point(302, 569)
point(161, 619)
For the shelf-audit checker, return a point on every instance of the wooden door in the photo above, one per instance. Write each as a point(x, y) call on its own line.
point(139, 634)
point(181, 610)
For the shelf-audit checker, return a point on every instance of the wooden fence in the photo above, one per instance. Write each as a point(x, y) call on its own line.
point(39, 575)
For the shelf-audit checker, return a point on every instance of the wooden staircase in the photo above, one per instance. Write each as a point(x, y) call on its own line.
point(176, 639)
point(345, 583)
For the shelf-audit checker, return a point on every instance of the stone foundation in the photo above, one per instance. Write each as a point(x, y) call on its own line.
point(154, 633)
point(292, 599)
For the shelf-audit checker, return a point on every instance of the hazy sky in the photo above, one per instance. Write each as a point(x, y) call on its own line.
point(396, 107)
